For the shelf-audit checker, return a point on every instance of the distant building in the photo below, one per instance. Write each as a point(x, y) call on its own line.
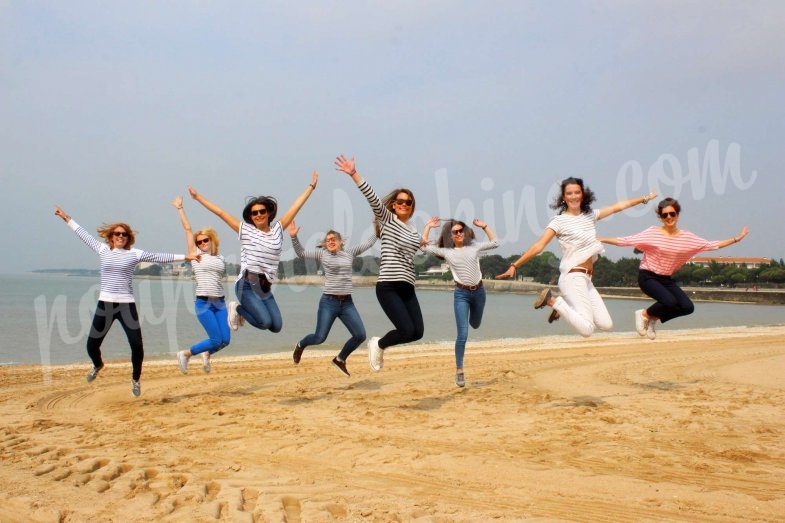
point(437, 271)
point(750, 263)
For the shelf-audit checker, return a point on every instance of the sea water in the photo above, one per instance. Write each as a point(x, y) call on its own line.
point(44, 319)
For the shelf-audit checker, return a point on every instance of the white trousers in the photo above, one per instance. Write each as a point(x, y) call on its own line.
point(581, 305)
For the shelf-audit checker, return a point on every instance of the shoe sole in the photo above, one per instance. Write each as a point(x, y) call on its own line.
point(542, 299)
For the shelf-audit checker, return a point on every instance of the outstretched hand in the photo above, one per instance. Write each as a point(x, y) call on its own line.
point(744, 232)
point(193, 192)
point(345, 165)
point(177, 202)
point(509, 273)
point(61, 214)
point(434, 221)
point(479, 223)
point(293, 229)
point(314, 179)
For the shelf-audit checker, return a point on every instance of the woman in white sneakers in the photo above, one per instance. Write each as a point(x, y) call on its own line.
point(336, 301)
point(457, 247)
point(395, 284)
point(261, 242)
point(575, 226)
point(116, 299)
point(665, 249)
point(209, 273)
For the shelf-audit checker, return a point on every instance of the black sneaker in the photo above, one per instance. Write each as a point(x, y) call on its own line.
point(93, 373)
point(554, 316)
point(297, 354)
point(341, 366)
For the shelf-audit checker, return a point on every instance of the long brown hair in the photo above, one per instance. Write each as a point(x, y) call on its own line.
point(388, 202)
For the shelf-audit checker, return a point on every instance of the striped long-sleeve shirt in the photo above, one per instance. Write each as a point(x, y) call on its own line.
point(664, 254)
point(118, 265)
point(337, 266)
point(259, 250)
point(400, 241)
point(464, 262)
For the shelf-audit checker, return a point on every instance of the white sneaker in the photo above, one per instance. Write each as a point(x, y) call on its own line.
point(206, 362)
point(182, 359)
point(641, 323)
point(375, 354)
point(650, 332)
point(136, 388)
point(233, 318)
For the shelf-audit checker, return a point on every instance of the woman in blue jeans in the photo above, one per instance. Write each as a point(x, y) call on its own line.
point(336, 301)
point(209, 273)
point(457, 247)
point(261, 242)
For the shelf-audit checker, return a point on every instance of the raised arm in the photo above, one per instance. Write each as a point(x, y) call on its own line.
point(482, 225)
point(433, 222)
point(230, 220)
point(536, 248)
point(190, 245)
point(625, 204)
point(288, 218)
point(60, 213)
point(348, 166)
point(735, 239)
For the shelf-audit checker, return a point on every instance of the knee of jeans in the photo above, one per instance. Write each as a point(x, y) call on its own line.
point(359, 337)
point(275, 328)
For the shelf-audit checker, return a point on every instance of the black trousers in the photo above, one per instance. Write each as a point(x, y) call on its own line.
point(399, 303)
point(672, 302)
point(105, 314)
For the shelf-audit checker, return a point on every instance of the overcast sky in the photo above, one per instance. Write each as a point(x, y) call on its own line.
point(110, 109)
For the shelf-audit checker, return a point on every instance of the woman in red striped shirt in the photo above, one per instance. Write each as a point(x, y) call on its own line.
point(665, 249)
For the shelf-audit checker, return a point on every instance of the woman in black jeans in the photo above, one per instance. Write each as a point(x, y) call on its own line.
point(395, 285)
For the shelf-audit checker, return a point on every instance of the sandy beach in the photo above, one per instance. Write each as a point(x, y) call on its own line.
point(690, 427)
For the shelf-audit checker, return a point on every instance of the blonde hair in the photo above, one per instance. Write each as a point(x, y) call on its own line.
point(210, 233)
point(105, 231)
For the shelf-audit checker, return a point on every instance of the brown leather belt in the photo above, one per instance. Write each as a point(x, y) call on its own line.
point(468, 287)
point(584, 270)
point(340, 297)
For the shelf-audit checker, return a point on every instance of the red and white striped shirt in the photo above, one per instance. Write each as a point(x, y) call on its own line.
point(664, 254)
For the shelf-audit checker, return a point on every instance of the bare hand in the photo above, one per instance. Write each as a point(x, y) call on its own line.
point(744, 232)
point(193, 193)
point(479, 223)
point(293, 229)
point(433, 222)
point(509, 273)
point(178, 202)
point(314, 179)
point(61, 213)
point(192, 257)
point(347, 166)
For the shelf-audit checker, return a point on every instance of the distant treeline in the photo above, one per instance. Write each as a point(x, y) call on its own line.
point(541, 269)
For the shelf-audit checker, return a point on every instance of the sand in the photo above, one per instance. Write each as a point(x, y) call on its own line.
point(690, 427)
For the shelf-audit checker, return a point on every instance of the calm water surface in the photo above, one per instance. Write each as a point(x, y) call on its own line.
point(45, 319)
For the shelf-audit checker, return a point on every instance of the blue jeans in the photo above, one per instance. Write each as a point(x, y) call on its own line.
point(258, 307)
point(331, 308)
point(211, 313)
point(672, 302)
point(469, 306)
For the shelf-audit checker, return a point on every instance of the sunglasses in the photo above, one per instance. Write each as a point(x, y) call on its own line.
point(203, 240)
point(120, 234)
point(407, 203)
point(671, 214)
point(259, 212)
point(456, 232)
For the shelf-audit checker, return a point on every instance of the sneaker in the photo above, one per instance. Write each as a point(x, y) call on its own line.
point(93, 373)
point(182, 359)
point(542, 298)
point(297, 354)
point(375, 354)
point(233, 318)
point(554, 316)
point(459, 379)
point(650, 332)
point(641, 323)
point(341, 366)
point(206, 362)
point(136, 388)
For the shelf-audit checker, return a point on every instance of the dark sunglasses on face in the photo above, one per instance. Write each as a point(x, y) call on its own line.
point(456, 232)
point(203, 240)
point(122, 234)
point(671, 214)
point(258, 212)
point(407, 203)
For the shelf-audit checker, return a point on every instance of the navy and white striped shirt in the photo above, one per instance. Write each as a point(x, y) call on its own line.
point(337, 266)
point(400, 241)
point(117, 266)
point(209, 274)
point(259, 250)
